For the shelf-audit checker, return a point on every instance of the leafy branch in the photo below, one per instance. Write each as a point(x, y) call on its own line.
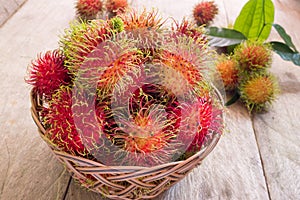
point(255, 21)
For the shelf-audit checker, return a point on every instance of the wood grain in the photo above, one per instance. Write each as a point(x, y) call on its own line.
point(28, 170)
point(8, 8)
point(277, 131)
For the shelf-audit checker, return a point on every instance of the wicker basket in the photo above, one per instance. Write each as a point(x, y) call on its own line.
point(122, 182)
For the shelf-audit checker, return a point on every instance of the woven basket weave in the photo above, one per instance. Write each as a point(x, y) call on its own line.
point(122, 182)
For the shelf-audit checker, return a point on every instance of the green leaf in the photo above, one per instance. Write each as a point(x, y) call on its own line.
point(287, 39)
point(236, 96)
point(255, 19)
point(222, 37)
point(285, 52)
point(296, 59)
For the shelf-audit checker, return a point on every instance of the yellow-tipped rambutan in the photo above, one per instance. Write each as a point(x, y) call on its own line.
point(59, 119)
point(81, 39)
point(88, 9)
point(228, 69)
point(253, 56)
point(258, 91)
point(205, 12)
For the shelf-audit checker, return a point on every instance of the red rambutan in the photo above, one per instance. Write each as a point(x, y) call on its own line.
point(146, 129)
point(88, 9)
point(48, 73)
point(205, 12)
point(116, 6)
point(189, 29)
point(200, 120)
point(128, 105)
point(59, 119)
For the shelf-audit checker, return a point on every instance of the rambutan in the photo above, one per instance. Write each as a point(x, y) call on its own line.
point(88, 9)
point(48, 73)
point(146, 129)
point(190, 29)
point(228, 69)
point(59, 119)
point(183, 61)
point(253, 56)
point(81, 39)
point(144, 20)
point(258, 91)
point(205, 12)
point(200, 120)
point(116, 6)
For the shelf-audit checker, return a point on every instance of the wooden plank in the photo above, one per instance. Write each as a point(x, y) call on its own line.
point(8, 8)
point(28, 170)
point(277, 131)
point(233, 170)
point(77, 192)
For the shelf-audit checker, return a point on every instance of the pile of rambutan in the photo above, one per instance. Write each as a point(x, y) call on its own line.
point(94, 9)
point(245, 72)
point(129, 91)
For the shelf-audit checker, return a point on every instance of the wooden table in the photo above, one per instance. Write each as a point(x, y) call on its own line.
point(257, 158)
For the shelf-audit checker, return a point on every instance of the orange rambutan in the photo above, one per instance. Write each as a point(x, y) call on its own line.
point(48, 73)
point(258, 91)
point(228, 69)
point(88, 9)
point(253, 56)
point(205, 12)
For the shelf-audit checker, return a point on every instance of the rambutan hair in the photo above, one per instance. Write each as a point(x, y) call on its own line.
point(142, 20)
